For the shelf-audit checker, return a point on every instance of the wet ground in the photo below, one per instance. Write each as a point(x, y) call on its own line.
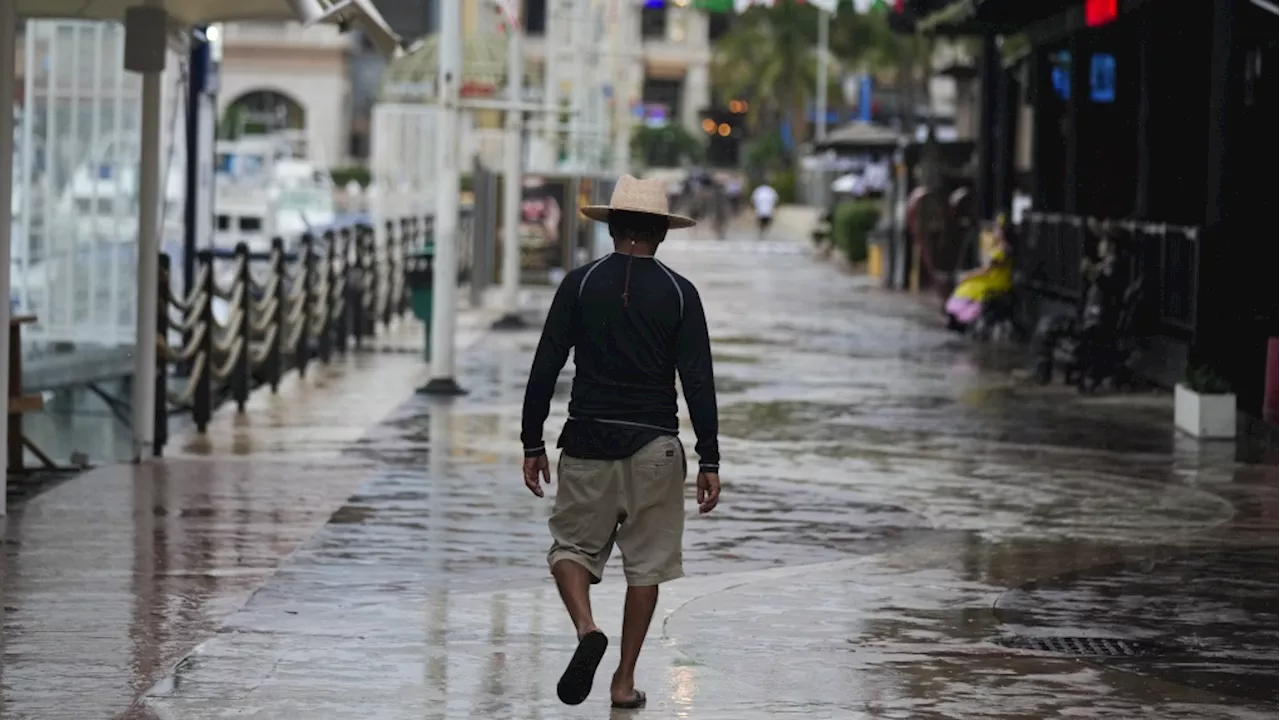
point(908, 531)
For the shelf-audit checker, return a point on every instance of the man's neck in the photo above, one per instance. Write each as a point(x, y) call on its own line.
point(627, 247)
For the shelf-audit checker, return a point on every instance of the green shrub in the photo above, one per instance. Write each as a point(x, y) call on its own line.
point(851, 224)
point(343, 175)
point(1205, 381)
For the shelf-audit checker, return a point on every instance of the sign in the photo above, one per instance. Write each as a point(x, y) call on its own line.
point(1102, 78)
point(1099, 12)
point(544, 226)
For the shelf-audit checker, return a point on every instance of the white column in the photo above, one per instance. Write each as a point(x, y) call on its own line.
point(695, 97)
point(512, 181)
point(448, 177)
point(146, 43)
point(8, 61)
point(551, 78)
point(579, 19)
point(824, 43)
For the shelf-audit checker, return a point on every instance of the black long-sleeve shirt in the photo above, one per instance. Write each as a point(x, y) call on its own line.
point(627, 352)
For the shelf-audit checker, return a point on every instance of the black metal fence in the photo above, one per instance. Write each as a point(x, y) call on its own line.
point(285, 309)
point(1052, 247)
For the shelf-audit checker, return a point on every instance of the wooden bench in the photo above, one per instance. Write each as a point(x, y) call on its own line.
point(19, 404)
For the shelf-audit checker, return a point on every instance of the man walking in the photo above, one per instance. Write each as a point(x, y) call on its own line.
point(632, 324)
point(764, 198)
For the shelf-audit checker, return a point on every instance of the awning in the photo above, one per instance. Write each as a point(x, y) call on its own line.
point(861, 135)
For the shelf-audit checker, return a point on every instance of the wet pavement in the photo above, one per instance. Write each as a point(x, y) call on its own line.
point(908, 531)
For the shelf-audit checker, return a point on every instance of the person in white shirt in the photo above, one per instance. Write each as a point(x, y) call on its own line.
point(764, 198)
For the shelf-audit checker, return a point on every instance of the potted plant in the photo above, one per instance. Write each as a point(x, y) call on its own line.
point(1204, 406)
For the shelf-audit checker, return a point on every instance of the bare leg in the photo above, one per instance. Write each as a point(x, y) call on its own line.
point(574, 583)
point(636, 615)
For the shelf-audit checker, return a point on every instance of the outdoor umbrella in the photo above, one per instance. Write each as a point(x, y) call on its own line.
point(180, 14)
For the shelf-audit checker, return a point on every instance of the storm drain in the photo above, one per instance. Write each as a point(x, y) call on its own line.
point(1094, 647)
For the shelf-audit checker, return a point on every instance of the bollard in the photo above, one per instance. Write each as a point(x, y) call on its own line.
point(325, 346)
point(371, 280)
point(391, 304)
point(275, 353)
point(302, 350)
point(241, 376)
point(355, 275)
point(202, 401)
point(162, 366)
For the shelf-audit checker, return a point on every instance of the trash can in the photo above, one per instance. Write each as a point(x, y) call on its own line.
point(419, 269)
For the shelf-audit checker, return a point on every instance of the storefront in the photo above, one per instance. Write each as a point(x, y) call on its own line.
point(1160, 114)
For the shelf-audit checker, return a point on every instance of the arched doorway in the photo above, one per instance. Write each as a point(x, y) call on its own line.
point(258, 112)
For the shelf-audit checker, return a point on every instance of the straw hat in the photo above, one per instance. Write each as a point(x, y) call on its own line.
point(640, 196)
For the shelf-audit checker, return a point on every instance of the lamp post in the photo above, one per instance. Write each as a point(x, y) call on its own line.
point(445, 272)
point(511, 176)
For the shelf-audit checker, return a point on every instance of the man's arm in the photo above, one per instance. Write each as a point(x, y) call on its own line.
point(693, 360)
point(548, 361)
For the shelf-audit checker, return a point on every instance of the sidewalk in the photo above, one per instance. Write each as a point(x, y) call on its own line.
point(895, 504)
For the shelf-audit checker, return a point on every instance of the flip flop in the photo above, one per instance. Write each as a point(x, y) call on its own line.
point(575, 684)
point(635, 703)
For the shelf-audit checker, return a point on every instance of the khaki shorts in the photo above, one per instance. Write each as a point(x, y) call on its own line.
point(637, 503)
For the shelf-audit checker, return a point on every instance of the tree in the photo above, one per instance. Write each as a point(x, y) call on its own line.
point(666, 146)
point(769, 58)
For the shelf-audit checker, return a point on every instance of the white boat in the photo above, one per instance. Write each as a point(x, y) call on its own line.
point(268, 187)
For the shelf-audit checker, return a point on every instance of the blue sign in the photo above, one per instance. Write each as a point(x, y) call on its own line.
point(1102, 78)
point(1061, 74)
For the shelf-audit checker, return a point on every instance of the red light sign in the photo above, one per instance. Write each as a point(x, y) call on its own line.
point(1099, 12)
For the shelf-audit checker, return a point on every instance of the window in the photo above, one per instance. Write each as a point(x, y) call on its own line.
point(358, 144)
point(663, 93)
point(653, 21)
point(535, 17)
point(250, 224)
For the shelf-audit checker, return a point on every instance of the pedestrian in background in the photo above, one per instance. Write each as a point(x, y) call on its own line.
point(764, 198)
point(633, 324)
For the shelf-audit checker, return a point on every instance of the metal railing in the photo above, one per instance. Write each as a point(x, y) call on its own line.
point(1052, 247)
point(285, 310)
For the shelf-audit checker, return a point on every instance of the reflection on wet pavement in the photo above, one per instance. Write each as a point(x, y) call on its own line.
point(896, 502)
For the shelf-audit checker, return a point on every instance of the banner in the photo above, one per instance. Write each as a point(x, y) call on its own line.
point(543, 228)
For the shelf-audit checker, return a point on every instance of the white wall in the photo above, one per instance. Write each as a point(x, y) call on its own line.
point(321, 94)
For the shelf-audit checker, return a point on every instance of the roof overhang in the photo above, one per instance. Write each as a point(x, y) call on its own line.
point(982, 17)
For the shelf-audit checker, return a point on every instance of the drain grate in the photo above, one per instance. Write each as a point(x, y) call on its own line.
point(1081, 646)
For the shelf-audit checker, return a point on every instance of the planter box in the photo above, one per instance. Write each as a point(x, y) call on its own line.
point(1212, 417)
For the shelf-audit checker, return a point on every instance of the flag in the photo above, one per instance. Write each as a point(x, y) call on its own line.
point(716, 6)
point(825, 5)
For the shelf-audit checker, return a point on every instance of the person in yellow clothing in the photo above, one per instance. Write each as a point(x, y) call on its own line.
point(977, 287)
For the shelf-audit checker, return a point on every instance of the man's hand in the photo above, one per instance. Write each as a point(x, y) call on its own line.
point(708, 491)
point(538, 466)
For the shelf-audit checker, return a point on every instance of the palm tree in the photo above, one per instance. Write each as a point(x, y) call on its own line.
point(769, 59)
